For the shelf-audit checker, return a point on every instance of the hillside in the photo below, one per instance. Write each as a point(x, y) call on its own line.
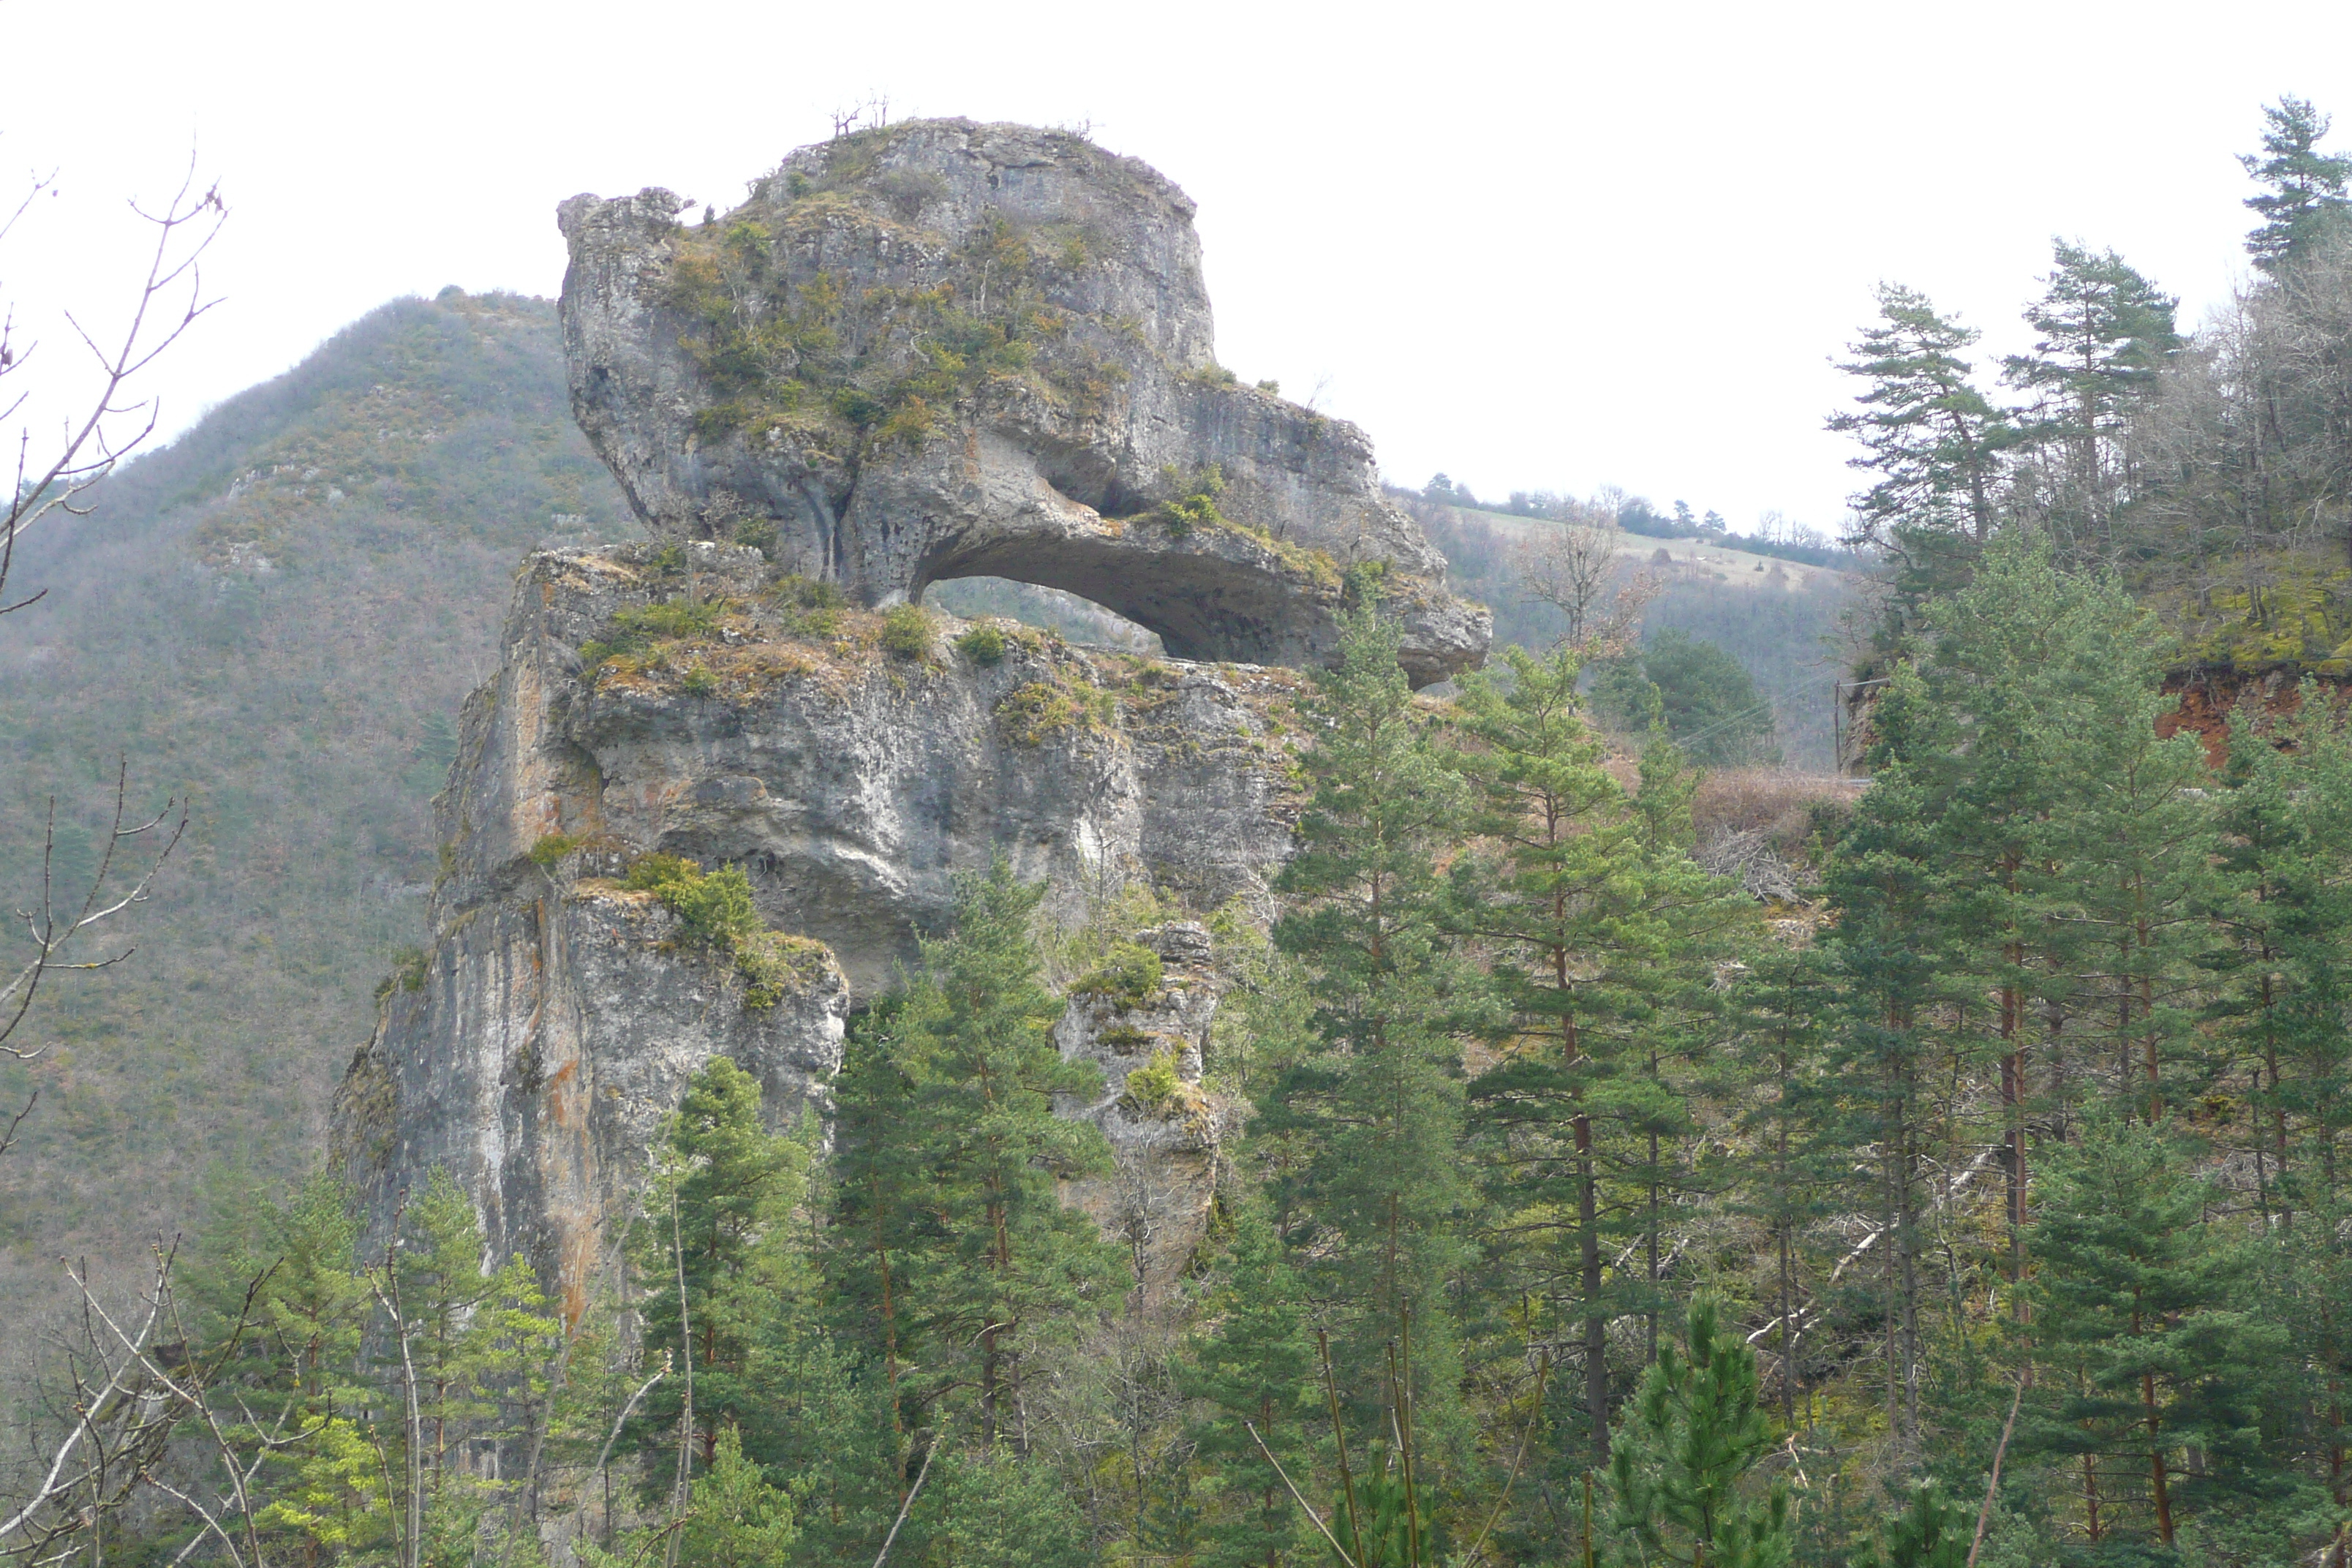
point(273, 618)
point(276, 618)
point(1777, 617)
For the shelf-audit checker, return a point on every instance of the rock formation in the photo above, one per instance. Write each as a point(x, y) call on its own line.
point(558, 1017)
point(943, 350)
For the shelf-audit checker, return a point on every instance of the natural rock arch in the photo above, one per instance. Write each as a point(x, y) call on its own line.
point(944, 349)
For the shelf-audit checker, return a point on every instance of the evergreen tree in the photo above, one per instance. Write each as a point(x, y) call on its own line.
point(716, 1218)
point(1254, 1368)
point(995, 1509)
point(1890, 952)
point(1680, 1470)
point(2303, 188)
point(1933, 1531)
point(1378, 1205)
point(479, 1338)
point(1929, 435)
point(2154, 1372)
point(2104, 335)
point(1706, 698)
point(2286, 826)
point(960, 1223)
point(1590, 921)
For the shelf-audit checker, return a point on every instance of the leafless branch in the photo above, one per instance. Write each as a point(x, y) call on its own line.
point(109, 424)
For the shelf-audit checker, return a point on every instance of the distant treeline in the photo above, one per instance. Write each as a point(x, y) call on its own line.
point(1611, 507)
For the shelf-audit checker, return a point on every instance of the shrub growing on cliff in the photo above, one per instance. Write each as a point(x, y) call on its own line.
point(715, 912)
point(1194, 502)
point(1154, 1085)
point(1129, 974)
point(1041, 709)
point(634, 630)
point(408, 968)
point(906, 631)
point(982, 645)
point(552, 848)
point(713, 908)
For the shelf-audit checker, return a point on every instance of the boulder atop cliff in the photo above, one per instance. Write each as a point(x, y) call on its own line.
point(941, 350)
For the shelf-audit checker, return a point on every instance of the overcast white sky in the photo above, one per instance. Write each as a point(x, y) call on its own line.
point(1537, 245)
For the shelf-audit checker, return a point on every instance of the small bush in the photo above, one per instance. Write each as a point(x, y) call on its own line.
point(552, 848)
point(1130, 973)
point(1273, 387)
point(1155, 1085)
point(698, 681)
point(807, 592)
point(652, 873)
point(714, 910)
point(1194, 504)
point(907, 631)
point(409, 966)
point(982, 645)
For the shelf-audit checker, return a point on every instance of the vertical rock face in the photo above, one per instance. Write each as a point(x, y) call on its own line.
point(1164, 1129)
point(546, 1038)
point(944, 349)
point(558, 1017)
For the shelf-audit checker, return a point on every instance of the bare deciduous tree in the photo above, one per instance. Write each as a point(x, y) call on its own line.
point(1575, 568)
point(51, 476)
point(127, 1389)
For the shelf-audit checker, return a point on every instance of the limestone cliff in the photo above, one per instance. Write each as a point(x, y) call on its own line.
point(692, 700)
point(943, 349)
point(933, 350)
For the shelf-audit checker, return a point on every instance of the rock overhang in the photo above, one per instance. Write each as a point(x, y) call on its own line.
point(945, 349)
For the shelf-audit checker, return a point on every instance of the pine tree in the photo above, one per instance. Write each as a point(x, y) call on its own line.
point(2303, 194)
point(1933, 1531)
point(2153, 1370)
point(1929, 435)
point(984, 1266)
point(2104, 335)
point(716, 1218)
point(1588, 908)
point(1255, 1367)
point(1378, 1205)
point(1890, 952)
point(1680, 1470)
point(2286, 825)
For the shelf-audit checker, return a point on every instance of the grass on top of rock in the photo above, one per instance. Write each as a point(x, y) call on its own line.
point(795, 353)
point(635, 631)
point(715, 912)
point(1035, 712)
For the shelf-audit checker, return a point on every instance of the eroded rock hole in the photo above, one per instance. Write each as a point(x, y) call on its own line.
point(1072, 619)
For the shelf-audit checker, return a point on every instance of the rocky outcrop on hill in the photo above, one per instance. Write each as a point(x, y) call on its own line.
point(693, 701)
point(943, 349)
